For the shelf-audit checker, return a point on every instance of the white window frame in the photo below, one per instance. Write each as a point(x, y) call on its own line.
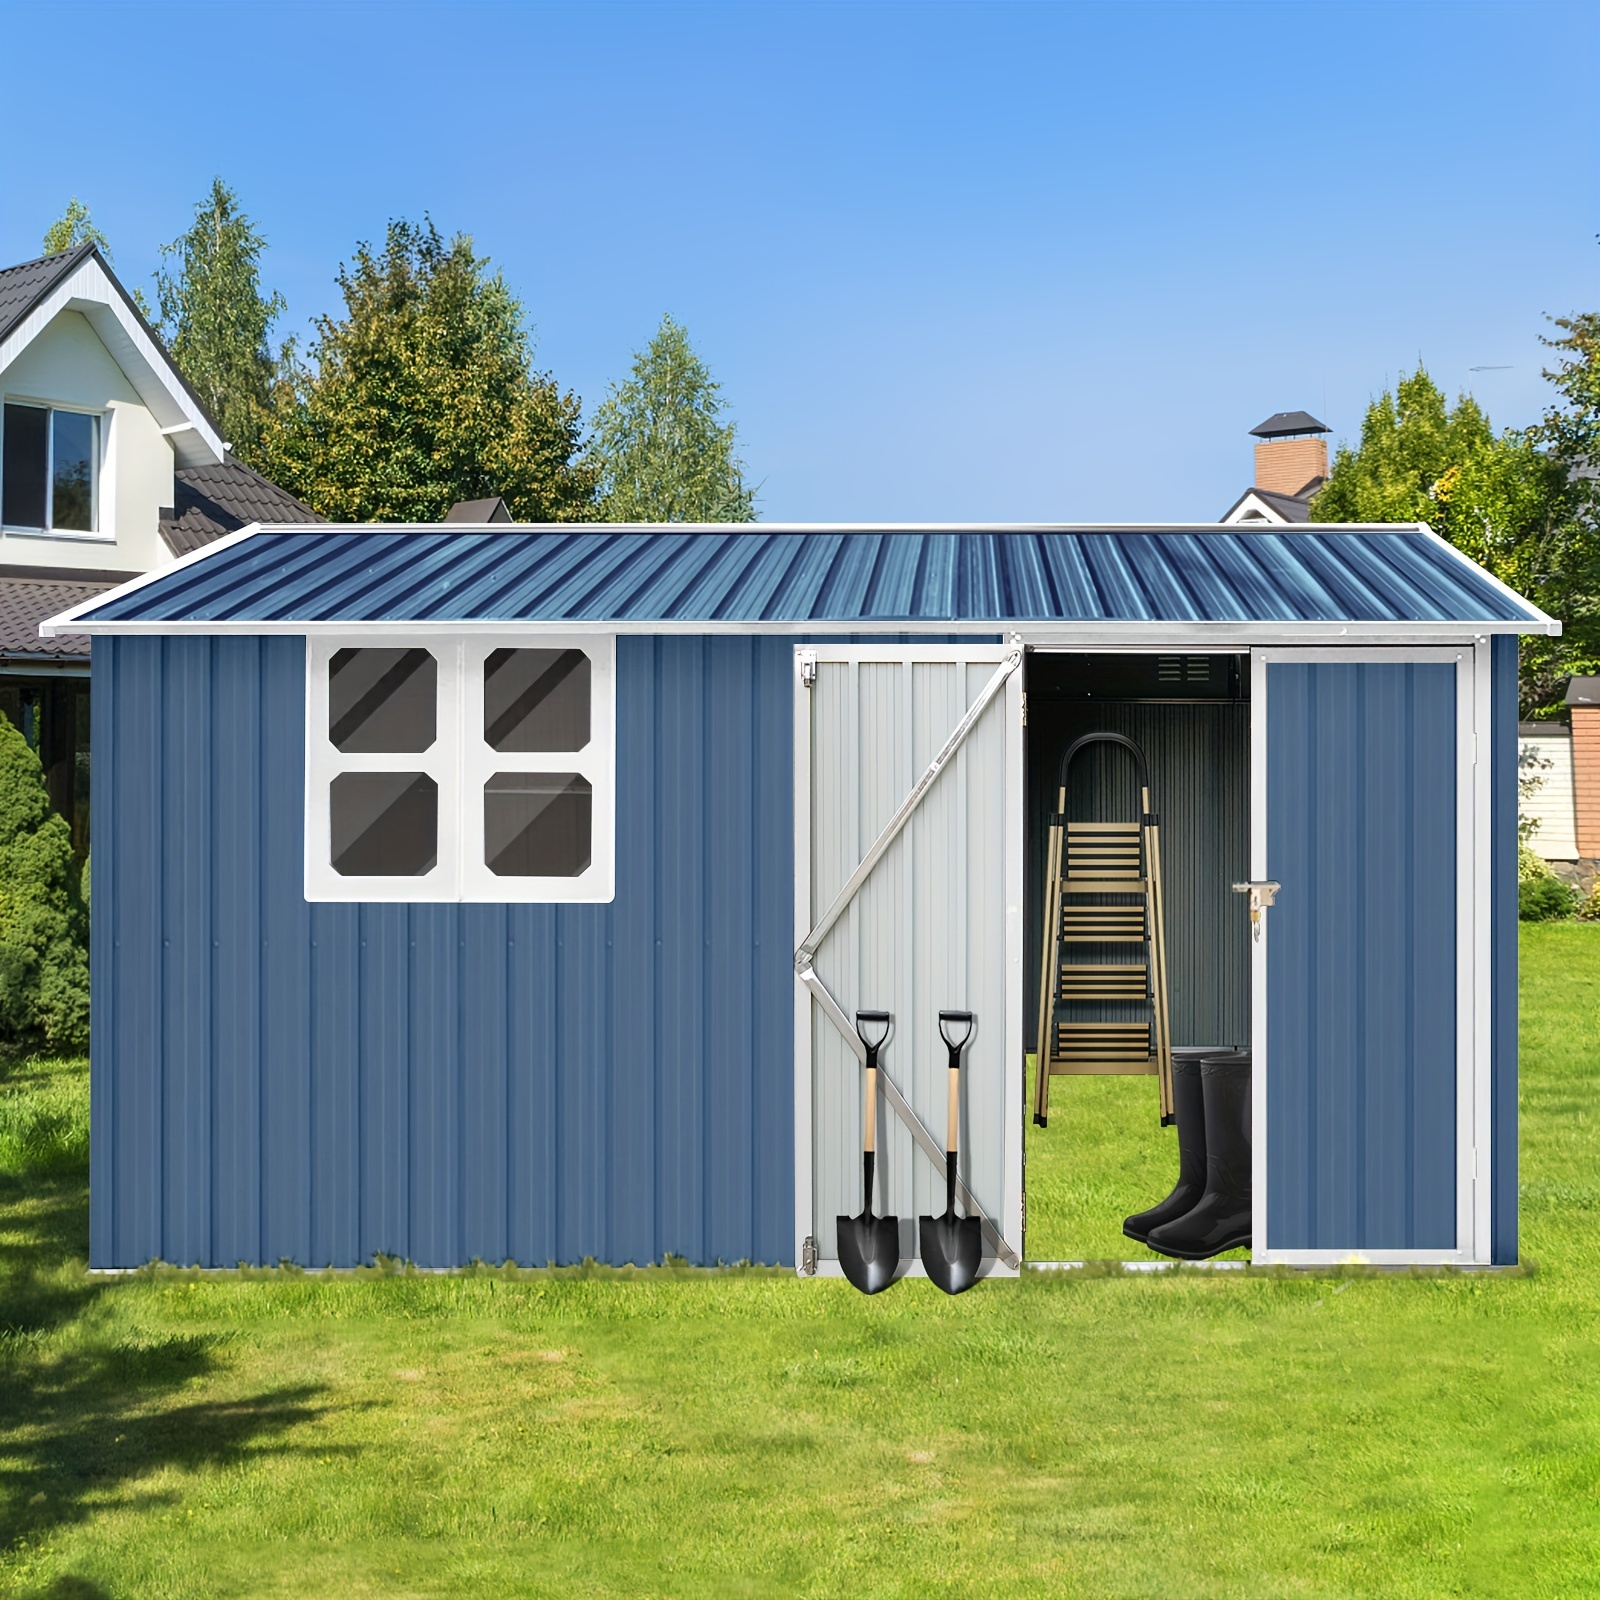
point(460, 762)
point(97, 461)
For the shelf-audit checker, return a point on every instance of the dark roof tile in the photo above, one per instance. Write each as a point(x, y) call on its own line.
point(212, 502)
point(26, 602)
point(481, 511)
point(23, 286)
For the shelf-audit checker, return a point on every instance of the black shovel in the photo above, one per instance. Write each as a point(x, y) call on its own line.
point(952, 1246)
point(869, 1246)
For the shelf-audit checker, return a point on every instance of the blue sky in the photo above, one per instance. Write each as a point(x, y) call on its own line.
point(955, 262)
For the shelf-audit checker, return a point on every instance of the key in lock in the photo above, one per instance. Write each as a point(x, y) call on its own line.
point(1262, 892)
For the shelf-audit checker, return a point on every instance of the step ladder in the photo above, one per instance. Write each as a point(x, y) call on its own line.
point(1103, 899)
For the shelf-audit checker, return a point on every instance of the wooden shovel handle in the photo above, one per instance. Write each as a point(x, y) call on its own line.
point(953, 1115)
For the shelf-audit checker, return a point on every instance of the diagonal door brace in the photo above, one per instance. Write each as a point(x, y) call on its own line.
point(807, 953)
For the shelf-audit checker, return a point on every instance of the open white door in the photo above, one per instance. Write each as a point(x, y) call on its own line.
point(908, 899)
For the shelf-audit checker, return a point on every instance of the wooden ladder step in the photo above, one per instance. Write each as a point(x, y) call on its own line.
point(1103, 924)
point(1104, 1067)
point(1108, 1041)
point(1086, 982)
point(1107, 850)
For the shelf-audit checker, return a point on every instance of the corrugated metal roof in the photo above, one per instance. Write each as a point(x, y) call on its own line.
point(827, 574)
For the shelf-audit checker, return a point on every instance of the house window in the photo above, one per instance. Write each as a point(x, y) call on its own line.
point(477, 768)
point(50, 469)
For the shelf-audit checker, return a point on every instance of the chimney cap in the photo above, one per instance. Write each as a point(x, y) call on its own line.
point(1281, 424)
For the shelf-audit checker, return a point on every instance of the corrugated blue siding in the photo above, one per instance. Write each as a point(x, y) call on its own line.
point(1503, 953)
point(277, 1080)
point(1361, 990)
point(843, 575)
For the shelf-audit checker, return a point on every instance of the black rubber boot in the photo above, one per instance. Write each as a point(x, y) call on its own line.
point(1189, 1109)
point(1221, 1220)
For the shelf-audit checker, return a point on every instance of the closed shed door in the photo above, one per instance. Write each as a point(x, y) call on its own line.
point(935, 925)
point(1367, 822)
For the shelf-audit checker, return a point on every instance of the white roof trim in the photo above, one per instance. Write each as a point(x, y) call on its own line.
point(1217, 637)
point(67, 622)
point(502, 529)
point(1461, 558)
point(89, 289)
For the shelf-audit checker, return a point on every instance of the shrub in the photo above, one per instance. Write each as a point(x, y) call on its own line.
point(1545, 899)
point(1589, 911)
point(1531, 865)
point(44, 958)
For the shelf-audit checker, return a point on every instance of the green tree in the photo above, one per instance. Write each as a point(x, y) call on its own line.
point(423, 394)
point(74, 227)
point(215, 318)
point(44, 924)
point(1571, 431)
point(1507, 500)
point(663, 452)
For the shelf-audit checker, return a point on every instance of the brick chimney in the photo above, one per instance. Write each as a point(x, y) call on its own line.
point(1291, 453)
point(1583, 700)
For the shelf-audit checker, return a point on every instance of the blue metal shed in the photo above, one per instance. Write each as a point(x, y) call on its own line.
point(500, 893)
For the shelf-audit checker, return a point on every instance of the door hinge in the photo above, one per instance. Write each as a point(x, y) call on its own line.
point(808, 668)
point(1474, 749)
point(808, 1257)
point(1474, 1164)
point(1024, 708)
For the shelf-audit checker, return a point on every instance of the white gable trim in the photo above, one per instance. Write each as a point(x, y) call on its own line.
point(1251, 507)
point(89, 289)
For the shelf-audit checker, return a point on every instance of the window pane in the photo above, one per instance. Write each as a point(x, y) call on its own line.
point(382, 700)
point(537, 824)
point(22, 472)
point(72, 471)
point(536, 700)
point(385, 824)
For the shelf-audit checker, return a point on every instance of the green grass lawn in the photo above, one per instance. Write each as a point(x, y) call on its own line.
point(696, 1434)
point(1104, 1156)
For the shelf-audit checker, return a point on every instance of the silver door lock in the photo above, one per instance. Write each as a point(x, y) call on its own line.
point(1262, 892)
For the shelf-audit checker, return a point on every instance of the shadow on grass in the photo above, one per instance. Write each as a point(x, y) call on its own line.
point(88, 1407)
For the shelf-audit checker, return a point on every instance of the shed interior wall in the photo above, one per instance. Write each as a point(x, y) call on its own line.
point(1198, 750)
point(1190, 716)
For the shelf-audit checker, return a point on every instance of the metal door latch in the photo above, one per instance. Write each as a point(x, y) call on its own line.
point(808, 1257)
point(1262, 892)
point(808, 668)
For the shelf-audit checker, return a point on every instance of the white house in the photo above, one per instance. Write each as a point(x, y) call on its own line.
point(109, 468)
